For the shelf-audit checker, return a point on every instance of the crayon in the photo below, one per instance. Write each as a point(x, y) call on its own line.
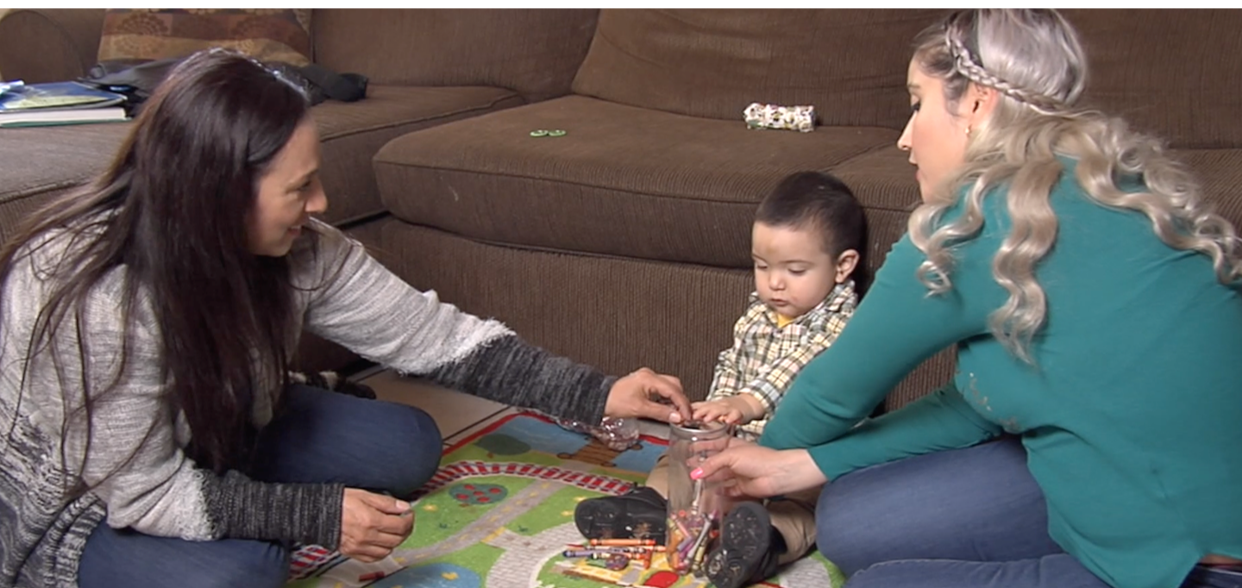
point(644, 560)
point(622, 542)
point(624, 549)
point(673, 557)
point(700, 547)
point(681, 526)
point(587, 553)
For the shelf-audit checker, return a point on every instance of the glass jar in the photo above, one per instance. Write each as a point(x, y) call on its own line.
point(695, 507)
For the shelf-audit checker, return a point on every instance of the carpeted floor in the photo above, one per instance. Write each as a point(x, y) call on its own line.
point(499, 512)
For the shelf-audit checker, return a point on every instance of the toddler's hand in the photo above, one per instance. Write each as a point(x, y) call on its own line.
point(733, 410)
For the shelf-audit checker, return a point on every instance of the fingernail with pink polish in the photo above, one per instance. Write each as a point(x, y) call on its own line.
point(696, 473)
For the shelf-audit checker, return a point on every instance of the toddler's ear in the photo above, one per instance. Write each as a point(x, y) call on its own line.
point(846, 262)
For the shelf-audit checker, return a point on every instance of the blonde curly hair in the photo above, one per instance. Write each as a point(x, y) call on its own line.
point(1034, 60)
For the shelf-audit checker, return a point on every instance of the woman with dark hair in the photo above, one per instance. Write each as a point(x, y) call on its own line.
point(1089, 436)
point(146, 326)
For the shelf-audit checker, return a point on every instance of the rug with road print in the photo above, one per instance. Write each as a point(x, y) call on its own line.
point(499, 512)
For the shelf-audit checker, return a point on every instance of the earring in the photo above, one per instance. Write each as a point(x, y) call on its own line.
point(968, 130)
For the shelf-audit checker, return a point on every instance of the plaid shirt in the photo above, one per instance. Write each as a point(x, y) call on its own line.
point(765, 358)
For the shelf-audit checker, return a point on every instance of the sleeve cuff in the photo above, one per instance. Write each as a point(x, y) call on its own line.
point(242, 508)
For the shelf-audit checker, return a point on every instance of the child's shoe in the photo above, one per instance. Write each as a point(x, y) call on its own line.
point(332, 381)
point(638, 514)
point(748, 549)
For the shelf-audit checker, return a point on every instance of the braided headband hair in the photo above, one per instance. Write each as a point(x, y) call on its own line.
point(967, 63)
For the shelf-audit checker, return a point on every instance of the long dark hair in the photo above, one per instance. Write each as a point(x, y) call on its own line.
point(172, 211)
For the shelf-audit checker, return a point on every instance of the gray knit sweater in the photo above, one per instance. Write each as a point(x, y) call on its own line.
point(344, 296)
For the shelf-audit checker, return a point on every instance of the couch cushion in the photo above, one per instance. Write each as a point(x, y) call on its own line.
point(849, 64)
point(1167, 71)
point(1219, 172)
point(41, 163)
point(353, 132)
point(615, 314)
point(48, 45)
point(266, 34)
point(623, 181)
point(883, 180)
point(533, 51)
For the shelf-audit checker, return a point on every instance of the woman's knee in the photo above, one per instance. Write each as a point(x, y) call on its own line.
point(266, 565)
point(423, 442)
point(125, 557)
point(880, 513)
point(850, 526)
point(323, 436)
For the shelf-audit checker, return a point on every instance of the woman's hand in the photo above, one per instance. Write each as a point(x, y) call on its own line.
point(749, 470)
point(373, 524)
point(647, 394)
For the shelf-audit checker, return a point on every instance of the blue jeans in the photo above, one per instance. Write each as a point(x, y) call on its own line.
point(320, 436)
point(966, 518)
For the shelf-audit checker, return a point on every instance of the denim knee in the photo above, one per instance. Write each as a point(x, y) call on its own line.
point(849, 530)
point(264, 566)
point(127, 558)
point(420, 434)
point(873, 575)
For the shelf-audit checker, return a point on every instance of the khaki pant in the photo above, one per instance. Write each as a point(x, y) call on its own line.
point(793, 516)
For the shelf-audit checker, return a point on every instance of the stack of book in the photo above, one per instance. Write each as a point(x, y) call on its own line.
point(57, 103)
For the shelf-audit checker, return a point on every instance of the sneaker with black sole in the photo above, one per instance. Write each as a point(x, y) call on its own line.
point(638, 514)
point(748, 549)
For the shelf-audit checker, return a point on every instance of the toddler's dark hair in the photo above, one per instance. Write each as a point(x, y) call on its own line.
point(822, 202)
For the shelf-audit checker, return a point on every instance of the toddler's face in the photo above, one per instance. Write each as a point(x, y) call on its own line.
point(793, 274)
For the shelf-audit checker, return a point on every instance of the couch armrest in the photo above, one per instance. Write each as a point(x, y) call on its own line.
point(49, 45)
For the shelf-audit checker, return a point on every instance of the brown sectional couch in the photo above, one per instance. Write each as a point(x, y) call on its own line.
point(626, 241)
point(415, 82)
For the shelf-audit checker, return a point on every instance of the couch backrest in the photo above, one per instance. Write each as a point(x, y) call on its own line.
point(533, 51)
point(849, 64)
point(1175, 73)
point(1171, 72)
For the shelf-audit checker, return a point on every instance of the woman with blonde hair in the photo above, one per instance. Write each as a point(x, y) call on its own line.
point(1089, 435)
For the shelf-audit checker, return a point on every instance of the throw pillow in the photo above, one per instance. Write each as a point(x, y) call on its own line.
point(265, 34)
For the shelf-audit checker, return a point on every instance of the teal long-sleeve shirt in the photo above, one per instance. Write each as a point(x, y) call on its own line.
point(1131, 417)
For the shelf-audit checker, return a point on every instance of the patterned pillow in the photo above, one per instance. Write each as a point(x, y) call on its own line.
point(265, 34)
